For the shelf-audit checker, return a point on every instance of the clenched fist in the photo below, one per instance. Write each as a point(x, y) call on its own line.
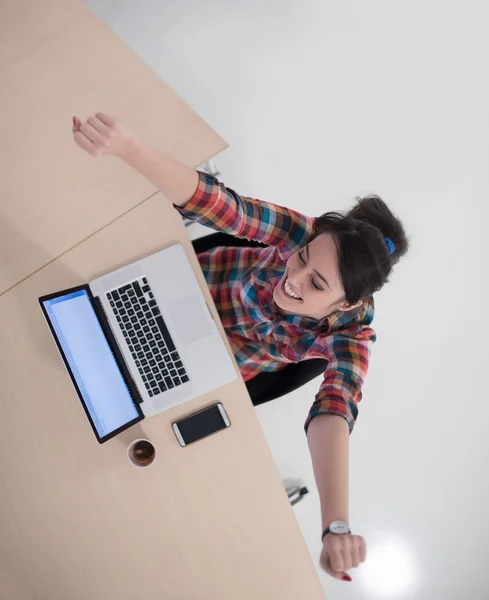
point(341, 553)
point(102, 135)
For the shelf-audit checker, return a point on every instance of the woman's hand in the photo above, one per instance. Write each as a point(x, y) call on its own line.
point(102, 135)
point(341, 553)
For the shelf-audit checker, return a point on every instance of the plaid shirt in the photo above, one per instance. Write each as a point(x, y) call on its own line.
point(242, 280)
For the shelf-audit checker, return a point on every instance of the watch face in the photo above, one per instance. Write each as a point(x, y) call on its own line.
point(339, 527)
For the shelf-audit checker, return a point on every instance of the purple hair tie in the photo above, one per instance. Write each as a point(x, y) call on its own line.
point(390, 245)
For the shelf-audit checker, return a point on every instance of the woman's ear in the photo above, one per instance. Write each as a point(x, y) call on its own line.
point(345, 307)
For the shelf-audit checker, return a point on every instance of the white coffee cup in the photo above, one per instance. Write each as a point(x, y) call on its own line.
point(141, 453)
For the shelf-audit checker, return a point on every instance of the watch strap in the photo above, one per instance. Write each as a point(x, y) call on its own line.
point(328, 530)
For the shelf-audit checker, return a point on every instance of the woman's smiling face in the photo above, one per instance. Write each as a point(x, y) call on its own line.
point(311, 285)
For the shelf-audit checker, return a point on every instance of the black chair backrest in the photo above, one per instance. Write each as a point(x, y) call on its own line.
point(266, 386)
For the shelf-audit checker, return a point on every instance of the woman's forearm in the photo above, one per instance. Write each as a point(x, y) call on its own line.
point(177, 181)
point(328, 439)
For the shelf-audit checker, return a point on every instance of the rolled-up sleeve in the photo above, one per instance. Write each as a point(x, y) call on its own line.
point(341, 389)
point(216, 206)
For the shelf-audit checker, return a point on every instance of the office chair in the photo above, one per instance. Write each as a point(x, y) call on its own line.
point(268, 385)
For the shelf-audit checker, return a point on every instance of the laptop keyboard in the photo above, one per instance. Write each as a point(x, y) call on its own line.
point(147, 336)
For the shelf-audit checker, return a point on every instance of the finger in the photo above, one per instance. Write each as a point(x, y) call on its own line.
point(106, 119)
point(97, 124)
point(363, 549)
point(326, 566)
point(336, 560)
point(355, 554)
point(347, 557)
point(91, 133)
point(84, 142)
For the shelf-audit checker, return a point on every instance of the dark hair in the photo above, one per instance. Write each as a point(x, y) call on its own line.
point(365, 261)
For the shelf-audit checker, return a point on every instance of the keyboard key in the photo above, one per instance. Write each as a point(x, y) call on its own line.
point(119, 319)
point(127, 305)
point(131, 293)
point(181, 372)
point(178, 364)
point(139, 315)
point(134, 340)
point(152, 343)
point(149, 336)
point(144, 322)
point(124, 333)
point(165, 333)
point(156, 311)
point(146, 348)
point(125, 288)
point(131, 349)
point(158, 337)
point(147, 370)
point(119, 304)
point(137, 288)
point(131, 313)
point(168, 360)
point(156, 370)
point(156, 391)
point(140, 370)
point(145, 281)
point(155, 329)
point(138, 364)
point(112, 303)
point(175, 356)
point(169, 382)
point(140, 355)
point(125, 319)
point(148, 387)
point(146, 289)
point(163, 387)
point(173, 373)
point(150, 394)
point(184, 378)
point(144, 362)
point(146, 329)
point(161, 345)
point(143, 301)
point(164, 372)
point(115, 295)
point(158, 377)
point(152, 302)
point(134, 320)
point(137, 326)
point(152, 363)
point(151, 377)
point(137, 347)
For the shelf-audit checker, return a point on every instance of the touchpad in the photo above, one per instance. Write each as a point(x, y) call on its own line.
point(188, 317)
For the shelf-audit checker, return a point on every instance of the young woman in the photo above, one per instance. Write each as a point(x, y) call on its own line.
point(307, 294)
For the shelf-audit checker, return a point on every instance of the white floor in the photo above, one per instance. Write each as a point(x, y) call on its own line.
point(321, 102)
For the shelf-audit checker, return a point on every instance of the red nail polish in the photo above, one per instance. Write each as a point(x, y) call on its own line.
point(346, 578)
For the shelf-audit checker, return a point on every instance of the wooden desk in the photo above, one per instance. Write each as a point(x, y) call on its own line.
point(57, 59)
point(210, 521)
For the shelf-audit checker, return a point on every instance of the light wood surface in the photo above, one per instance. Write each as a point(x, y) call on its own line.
point(210, 521)
point(57, 59)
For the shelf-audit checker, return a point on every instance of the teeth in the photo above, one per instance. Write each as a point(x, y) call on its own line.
point(289, 291)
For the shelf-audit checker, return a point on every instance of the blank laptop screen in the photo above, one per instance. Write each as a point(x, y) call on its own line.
point(91, 361)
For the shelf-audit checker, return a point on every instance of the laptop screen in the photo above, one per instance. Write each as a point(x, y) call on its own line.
point(91, 362)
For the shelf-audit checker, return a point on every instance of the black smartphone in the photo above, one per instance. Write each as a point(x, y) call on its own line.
point(201, 424)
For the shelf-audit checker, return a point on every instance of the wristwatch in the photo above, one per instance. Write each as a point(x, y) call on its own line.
point(336, 527)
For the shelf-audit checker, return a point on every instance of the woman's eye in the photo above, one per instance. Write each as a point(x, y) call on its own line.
point(312, 280)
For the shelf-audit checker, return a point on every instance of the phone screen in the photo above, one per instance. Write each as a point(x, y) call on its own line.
point(201, 424)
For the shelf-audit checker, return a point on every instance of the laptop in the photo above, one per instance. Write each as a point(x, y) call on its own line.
point(138, 341)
